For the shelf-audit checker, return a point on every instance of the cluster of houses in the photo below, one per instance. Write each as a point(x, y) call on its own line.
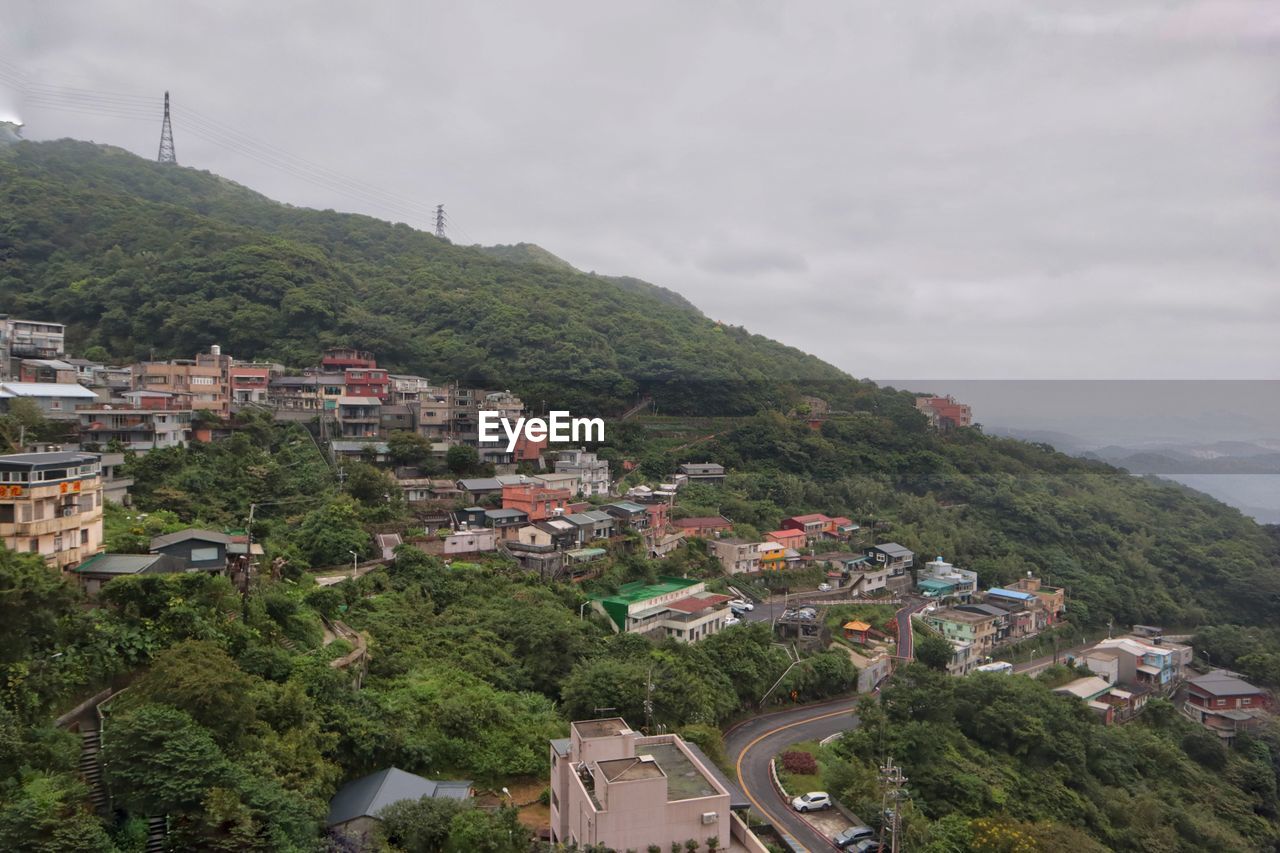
point(1127, 671)
point(976, 622)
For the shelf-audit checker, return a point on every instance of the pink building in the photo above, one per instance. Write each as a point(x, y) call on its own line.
point(616, 788)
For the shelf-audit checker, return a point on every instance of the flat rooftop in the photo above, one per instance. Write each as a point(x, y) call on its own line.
point(640, 591)
point(629, 769)
point(684, 780)
point(607, 727)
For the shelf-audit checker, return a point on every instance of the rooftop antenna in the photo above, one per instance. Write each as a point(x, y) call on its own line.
point(440, 219)
point(166, 155)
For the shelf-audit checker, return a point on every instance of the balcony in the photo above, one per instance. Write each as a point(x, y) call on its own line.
point(46, 526)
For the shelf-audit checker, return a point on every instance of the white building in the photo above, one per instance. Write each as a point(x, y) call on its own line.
point(591, 470)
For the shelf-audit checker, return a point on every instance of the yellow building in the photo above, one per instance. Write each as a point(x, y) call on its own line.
point(51, 505)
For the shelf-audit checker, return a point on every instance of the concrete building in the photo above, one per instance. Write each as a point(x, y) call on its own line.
point(201, 383)
point(704, 473)
point(959, 625)
point(945, 413)
point(736, 556)
point(898, 560)
point(29, 339)
point(51, 505)
point(614, 788)
point(136, 427)
point(939, 579)
point(57, 401)
point(592, 471)
point(674, 607)
point(704, 526)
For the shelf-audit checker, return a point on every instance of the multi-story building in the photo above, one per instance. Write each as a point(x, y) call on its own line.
point(30, 339)
point(248, 384)
point(200, 383)
point(1225, 704)
point(359, 417)
point(673, 607)
point(965, 627)
point(736, 556)
point(945, 413)
point(535, 500)
point(939, 579)
point(51, 505)
point(148, 420)
point(1053, 599)
point(617, 789)
point(591, 470)
point(1158, 667)
point(898, 560)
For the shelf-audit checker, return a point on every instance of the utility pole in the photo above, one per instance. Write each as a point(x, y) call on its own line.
point(166, 156)
point(440, 221)
point(248, 554)
point(892, 795)
point(648, 702)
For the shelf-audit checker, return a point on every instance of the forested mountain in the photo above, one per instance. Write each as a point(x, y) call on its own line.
point(141, 258)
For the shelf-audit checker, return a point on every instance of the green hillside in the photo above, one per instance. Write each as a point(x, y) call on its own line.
point(140, 258)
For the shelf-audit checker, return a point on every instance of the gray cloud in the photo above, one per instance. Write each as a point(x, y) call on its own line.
point(996, 188)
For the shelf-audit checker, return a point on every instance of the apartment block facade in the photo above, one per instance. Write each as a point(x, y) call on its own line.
point(51, 505)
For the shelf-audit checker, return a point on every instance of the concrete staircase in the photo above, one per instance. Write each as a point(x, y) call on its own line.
point(91, 768)
point(157, 829)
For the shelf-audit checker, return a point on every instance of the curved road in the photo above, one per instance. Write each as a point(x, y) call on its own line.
point(755, 741)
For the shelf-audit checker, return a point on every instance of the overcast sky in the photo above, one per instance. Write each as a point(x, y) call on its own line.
point(932, 189)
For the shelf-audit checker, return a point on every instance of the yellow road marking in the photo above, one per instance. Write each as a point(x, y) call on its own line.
point(738, 766)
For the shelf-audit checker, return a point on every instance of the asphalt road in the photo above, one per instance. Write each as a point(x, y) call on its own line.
point(752, 743)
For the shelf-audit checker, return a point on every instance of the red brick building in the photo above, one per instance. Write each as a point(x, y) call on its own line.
point(944, 412)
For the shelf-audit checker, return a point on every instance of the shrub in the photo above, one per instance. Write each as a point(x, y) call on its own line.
point(799, 763)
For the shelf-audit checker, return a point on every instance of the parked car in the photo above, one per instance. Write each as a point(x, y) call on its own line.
point(824, 587)
point(732, 620)
point(853, 835)
point(868, 846)
point(812, 801)
point(742, 603)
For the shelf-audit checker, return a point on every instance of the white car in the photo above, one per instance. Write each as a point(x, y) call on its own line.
point(824, 587)
point(812, 801)
point(732, 620)
point(742, 604)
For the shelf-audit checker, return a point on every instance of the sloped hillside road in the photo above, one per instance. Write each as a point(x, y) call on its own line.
point(752, 743)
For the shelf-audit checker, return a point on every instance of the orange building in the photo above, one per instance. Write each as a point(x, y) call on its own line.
point(538, 502)
point(787, 538)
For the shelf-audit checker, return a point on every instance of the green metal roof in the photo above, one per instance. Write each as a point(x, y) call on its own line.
point(616, 605)
point(935, 585)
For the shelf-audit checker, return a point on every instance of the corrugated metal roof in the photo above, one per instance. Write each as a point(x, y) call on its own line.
point(48, 389)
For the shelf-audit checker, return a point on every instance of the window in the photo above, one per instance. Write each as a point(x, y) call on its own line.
point(1248, 700)
point(34, 545)
point(1220, 702)
point(84, 537)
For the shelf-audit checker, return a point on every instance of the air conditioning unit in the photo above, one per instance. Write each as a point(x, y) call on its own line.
point(709, 818)
point(68, 512)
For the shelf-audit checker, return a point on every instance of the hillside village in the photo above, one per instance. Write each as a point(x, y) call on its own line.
point(561, 514)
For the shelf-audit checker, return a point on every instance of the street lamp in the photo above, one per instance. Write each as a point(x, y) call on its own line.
point(355, 563)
